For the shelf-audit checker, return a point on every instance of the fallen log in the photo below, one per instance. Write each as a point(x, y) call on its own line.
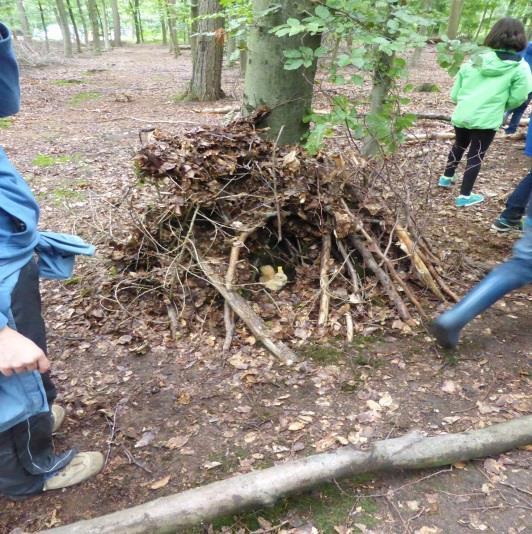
point(264, 487)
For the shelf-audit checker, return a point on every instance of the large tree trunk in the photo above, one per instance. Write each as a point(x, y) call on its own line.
point(65, 28)
point(44, 26)
point(454, 18)
point(105, 23)
point(287, 93)
point(74, 25)
point(83, 23)
point(95, 28)
point(117, 34)
point(193, 26)
point(264, 487)
point(206, 83)
point(24, 23)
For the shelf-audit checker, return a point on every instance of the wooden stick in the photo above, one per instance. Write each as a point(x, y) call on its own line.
point(350, 330)
point(383, 278)
point(265, 486)
point(324, 280)
point(418, 263)
point(255, 324)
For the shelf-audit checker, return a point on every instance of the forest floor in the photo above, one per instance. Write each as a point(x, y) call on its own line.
point(187, 415)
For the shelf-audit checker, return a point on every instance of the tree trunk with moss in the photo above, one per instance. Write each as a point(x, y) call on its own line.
point(287, 93)
point(206, 83)
point(95, 29)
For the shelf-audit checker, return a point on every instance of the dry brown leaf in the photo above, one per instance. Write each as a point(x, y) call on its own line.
point(160, 483)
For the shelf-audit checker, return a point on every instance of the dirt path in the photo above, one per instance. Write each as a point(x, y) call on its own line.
point(174, 417)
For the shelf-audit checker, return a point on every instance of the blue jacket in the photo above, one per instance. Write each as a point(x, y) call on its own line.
point(526, 54)
point(22, 395)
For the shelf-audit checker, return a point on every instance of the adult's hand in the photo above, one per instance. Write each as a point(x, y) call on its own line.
point(19, 354)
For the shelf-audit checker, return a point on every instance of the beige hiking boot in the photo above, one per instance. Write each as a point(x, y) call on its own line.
point(58, 416)
point(83, 466)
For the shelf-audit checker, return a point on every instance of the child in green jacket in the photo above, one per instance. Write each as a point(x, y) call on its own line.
point(485, 87)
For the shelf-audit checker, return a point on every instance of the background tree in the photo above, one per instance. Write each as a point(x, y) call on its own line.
point(117, 31)
point(65, 29)
point(95, 27)
point(206, 82)
point(454, 18)
point(287, 93)
point(24, 23)
point(74, 25)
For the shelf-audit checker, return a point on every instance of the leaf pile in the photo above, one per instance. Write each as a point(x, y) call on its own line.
point(224, 192)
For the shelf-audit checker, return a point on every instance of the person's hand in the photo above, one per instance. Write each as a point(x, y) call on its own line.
point(19, 354)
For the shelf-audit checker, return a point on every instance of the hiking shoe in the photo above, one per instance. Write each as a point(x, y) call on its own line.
point(446, 182)
point(462, 201)
point(58, 416)
point(505, 225)
point(83, 466)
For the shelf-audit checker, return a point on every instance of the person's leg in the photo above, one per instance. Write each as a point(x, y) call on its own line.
point(480, 142)
point(26, 309)
point(508, 276)
point(28, 446)
point(516, 115)
point(518, 200)
point(461, 142)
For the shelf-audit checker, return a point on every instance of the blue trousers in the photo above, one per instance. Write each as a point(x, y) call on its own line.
point(510, 275)
point(518, 200)
point(516, 115)
point(27, 455)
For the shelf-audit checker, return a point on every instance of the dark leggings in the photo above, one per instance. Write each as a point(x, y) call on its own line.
point(478, 142)
point(27, 453)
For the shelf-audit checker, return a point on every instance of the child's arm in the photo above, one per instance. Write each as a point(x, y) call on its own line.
point(521, 86)
point(19, 354)
point(456, 87)
point(9, 77)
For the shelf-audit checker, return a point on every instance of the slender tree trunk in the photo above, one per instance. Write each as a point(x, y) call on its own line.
point(416, 54)
point(206, 83)
point(287, 93)
point(105, 23)
point(490, 16)
point(83, 23)
point(95, 29)
point(24, 23)
point(382, 83)
point(163, 18)
point(74, 25)
point(454, 18)
point(117, 34)
point(484, 13)
point(139, 20)
point(171, 17)
point(44, 26)
point(65, 29)
point(136, 22)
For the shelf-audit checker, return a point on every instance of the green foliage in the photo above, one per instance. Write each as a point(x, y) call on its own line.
point(83, 96)
point(5, 122)
point(452, 52)
point(49, 160)
point(378, 33)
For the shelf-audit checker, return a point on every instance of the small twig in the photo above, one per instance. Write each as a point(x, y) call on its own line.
point(275, 195)
point(132, 459)
point(517, 488)
point(324, 280)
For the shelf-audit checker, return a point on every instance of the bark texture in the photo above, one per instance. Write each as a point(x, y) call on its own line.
point(288, 93)
point(206, 83)
point(263, 488)
point(65, 28)
point(117, 33)
point(95, 28)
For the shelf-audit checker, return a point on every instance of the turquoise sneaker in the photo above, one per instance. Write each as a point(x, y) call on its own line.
point(462, 201)
point(446, 182)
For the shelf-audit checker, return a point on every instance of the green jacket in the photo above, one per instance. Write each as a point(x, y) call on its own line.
point(486, 87)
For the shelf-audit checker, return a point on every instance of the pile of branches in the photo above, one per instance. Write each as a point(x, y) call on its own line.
point(294, 245)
